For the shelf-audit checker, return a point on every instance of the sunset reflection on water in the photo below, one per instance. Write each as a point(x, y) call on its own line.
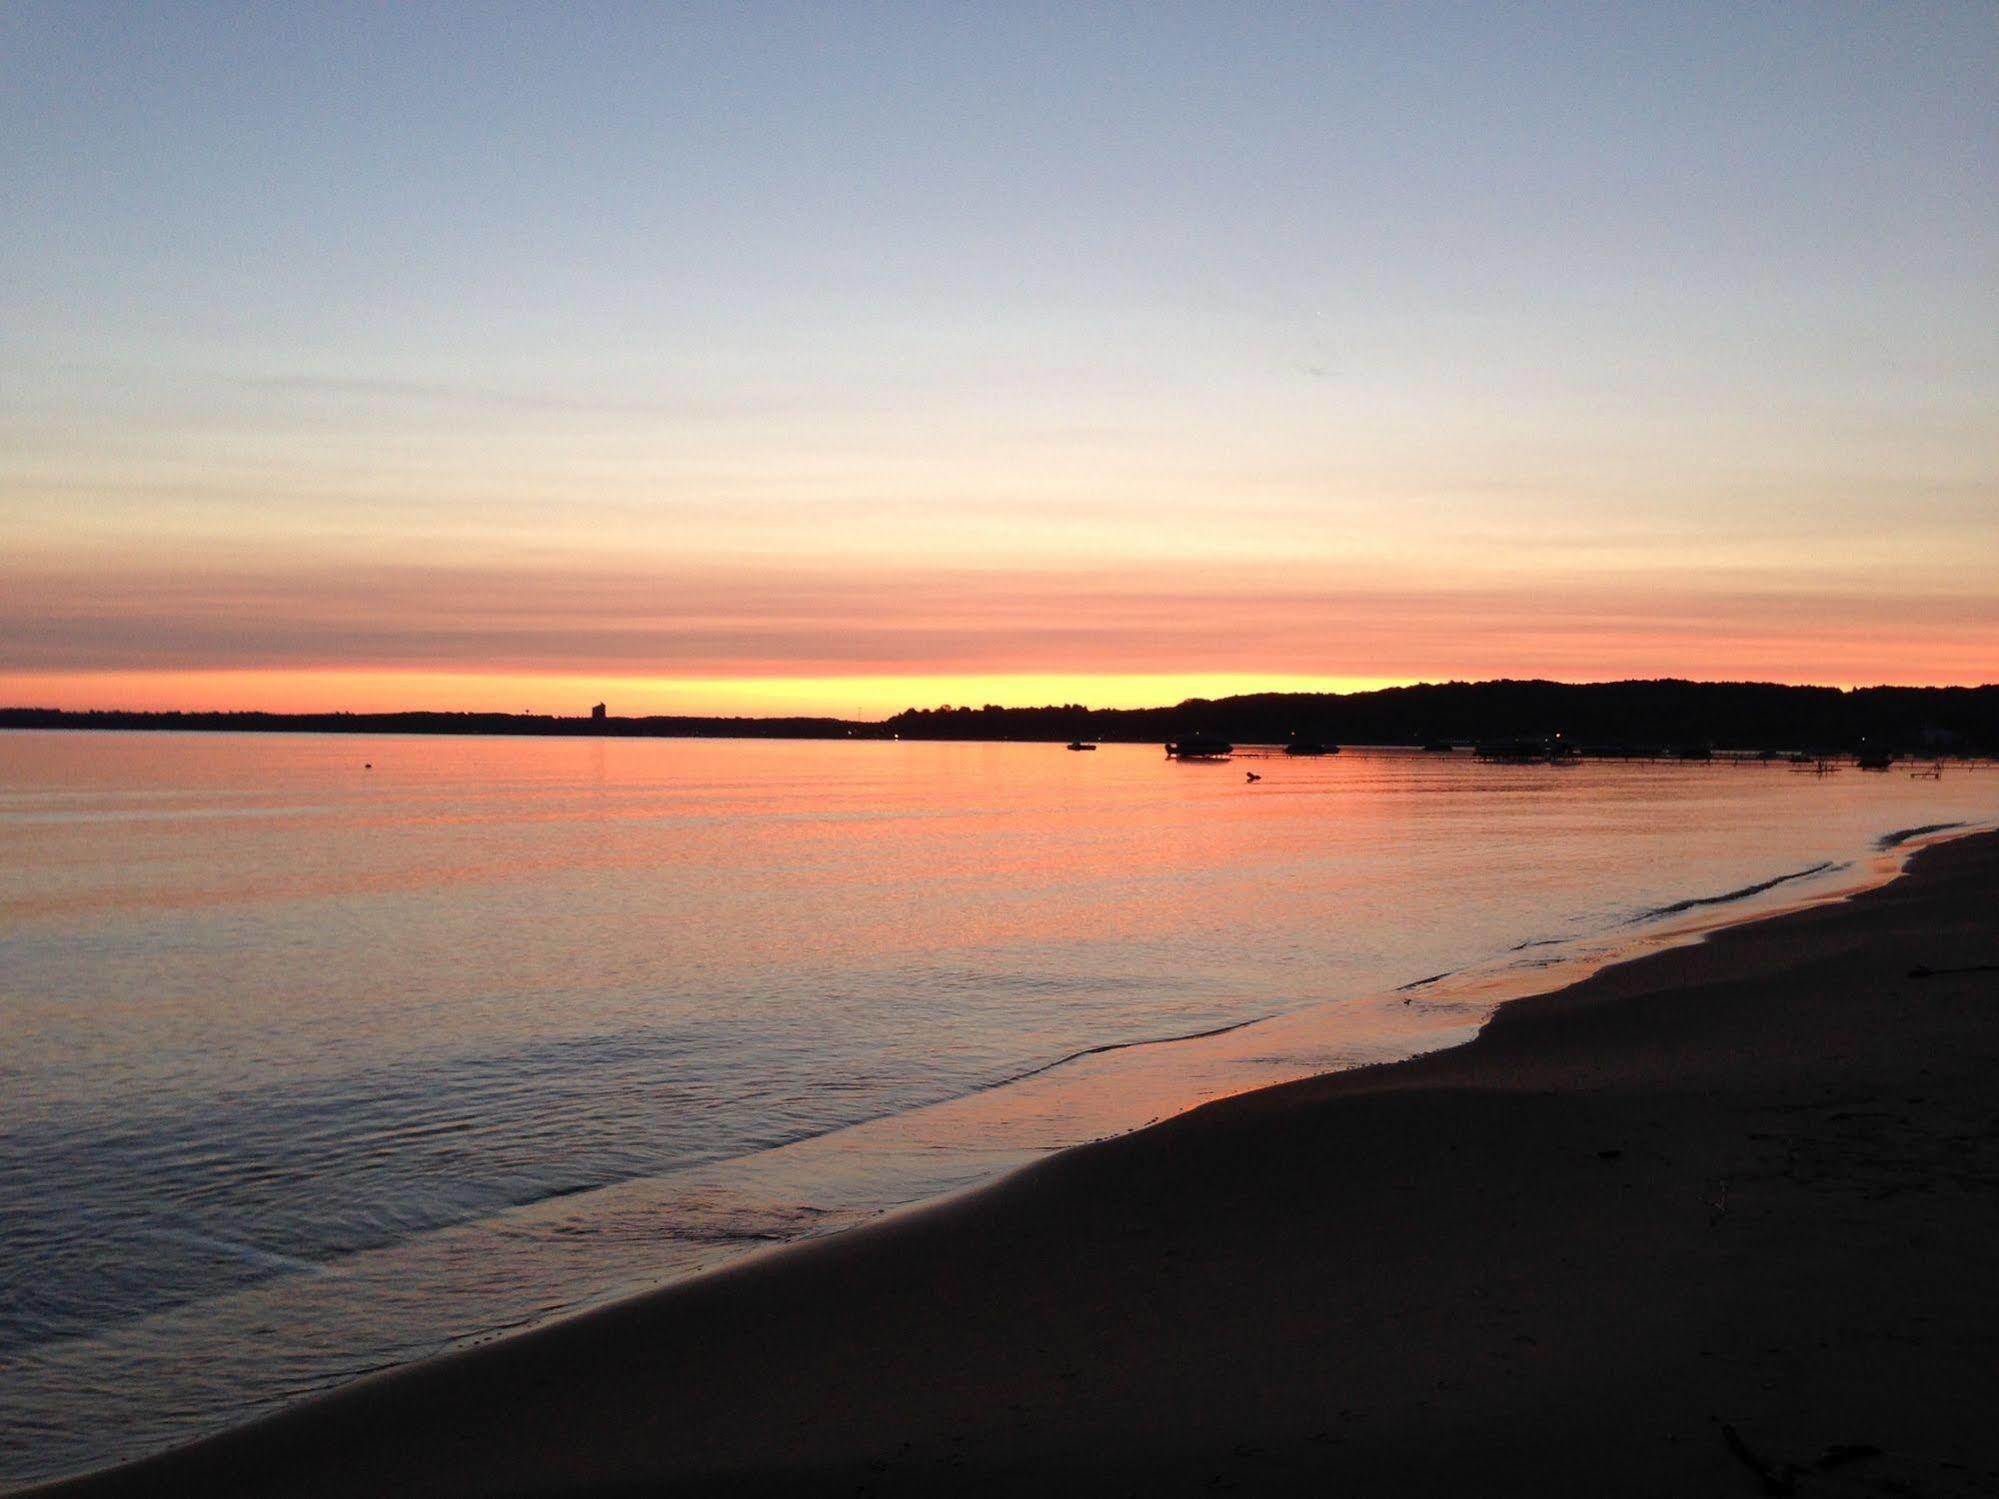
point(488, 1029)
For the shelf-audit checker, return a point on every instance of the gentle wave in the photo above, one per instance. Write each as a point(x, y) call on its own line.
point(1902, 835)
point(1110, 1046)
point(1679, 907)
point(250, 1254)
point(1435, 978)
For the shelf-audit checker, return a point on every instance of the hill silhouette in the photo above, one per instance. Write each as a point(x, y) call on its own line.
point(1632, 716)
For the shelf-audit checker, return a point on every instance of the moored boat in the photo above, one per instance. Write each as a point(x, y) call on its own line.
point(1199, 748)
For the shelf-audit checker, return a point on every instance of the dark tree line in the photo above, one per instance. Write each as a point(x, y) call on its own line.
point(1610, 715)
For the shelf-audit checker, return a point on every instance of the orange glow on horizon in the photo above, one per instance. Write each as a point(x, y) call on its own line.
point(856, 697)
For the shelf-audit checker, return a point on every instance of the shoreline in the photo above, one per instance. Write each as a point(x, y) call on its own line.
point(510, 1274)
point(293, 1451)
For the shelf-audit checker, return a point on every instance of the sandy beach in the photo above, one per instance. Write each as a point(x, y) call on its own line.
point(1721, 1220)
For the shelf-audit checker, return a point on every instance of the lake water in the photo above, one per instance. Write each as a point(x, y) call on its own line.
point(309, 1068)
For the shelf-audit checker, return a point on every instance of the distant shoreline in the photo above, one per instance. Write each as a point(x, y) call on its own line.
point(1638, 717)
point(496, 725)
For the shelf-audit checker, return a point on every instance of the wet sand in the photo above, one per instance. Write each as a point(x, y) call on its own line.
point(1721, 1220)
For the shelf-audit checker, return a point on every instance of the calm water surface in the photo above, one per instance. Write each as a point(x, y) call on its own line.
point(310, 1068)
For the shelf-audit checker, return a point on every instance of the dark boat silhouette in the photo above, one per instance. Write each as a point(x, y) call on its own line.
point(1310, 747)
point(1077, 744)
point(1439, 747)
point(1199, 748)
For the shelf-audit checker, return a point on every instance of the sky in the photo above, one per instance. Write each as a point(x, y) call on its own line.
point(770, 358)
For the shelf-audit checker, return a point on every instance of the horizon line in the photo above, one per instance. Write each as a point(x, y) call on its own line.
point(1044, 707)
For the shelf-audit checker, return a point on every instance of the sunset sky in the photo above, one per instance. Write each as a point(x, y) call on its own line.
point(836, 358)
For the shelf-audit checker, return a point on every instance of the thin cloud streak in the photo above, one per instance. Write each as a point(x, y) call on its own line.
point(722, 623)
